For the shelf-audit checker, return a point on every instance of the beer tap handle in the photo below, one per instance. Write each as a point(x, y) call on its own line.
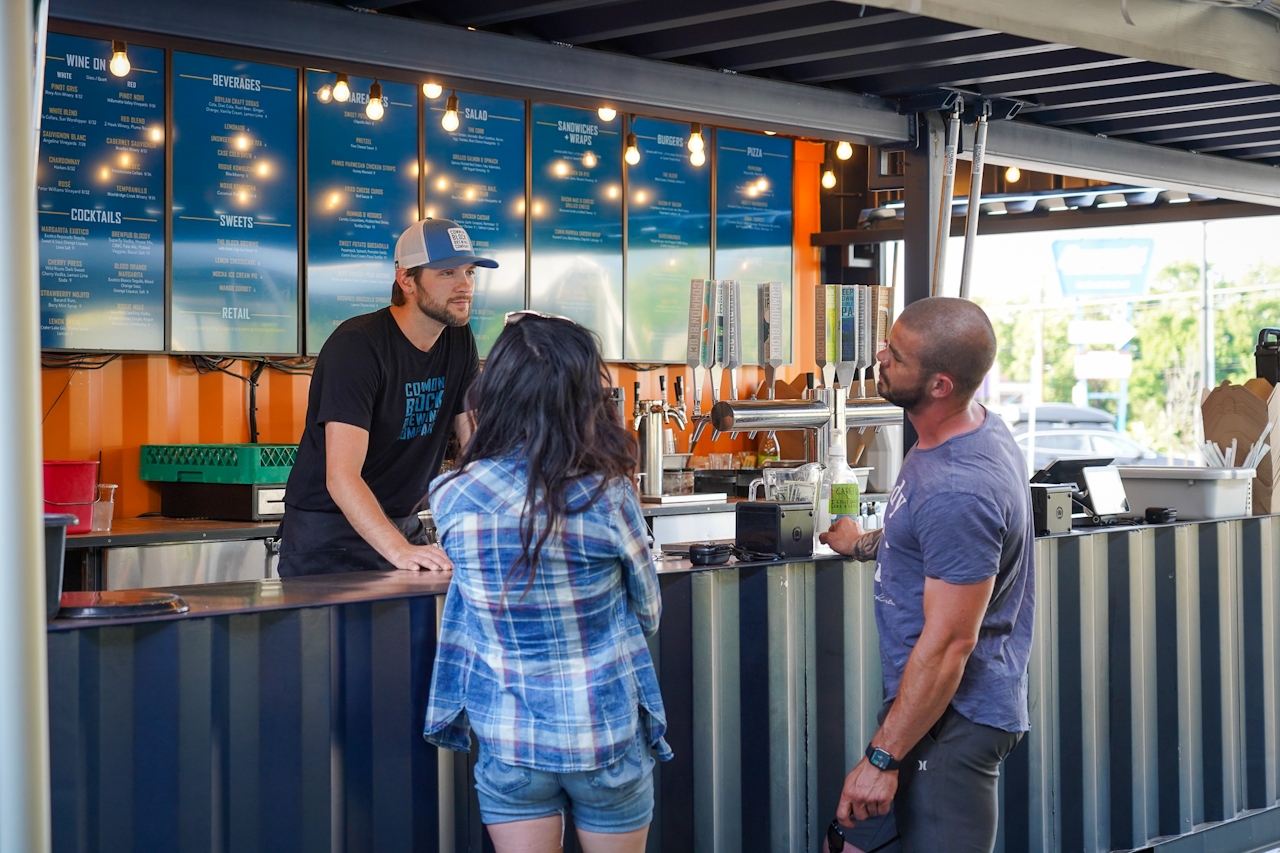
point(680, 393)
point(662, 388)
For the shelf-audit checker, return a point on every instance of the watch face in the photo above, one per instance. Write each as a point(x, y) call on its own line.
point(880, 758)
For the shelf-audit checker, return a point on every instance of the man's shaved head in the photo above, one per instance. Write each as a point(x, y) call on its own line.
point(956, 338)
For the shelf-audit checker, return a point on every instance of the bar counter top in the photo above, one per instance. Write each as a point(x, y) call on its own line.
point(157, 530)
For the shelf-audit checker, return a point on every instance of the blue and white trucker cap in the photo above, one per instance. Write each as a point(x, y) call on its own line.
point(437, 244)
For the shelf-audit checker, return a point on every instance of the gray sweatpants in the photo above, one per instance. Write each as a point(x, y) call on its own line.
point(948, 787)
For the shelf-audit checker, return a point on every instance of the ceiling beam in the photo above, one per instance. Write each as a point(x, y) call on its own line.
point(1190, 137)
point(1216, 117)
point(1021, 223)
point(1056, 151)
point(406, 49)
point(1120, 70)
point(1233, 41)
point(1145, 92)
point(759, 29)
point(982, 75)
point(871, 44)
point(943, 59)
point(503, 13)
point(1181, 102)
point(665, 16)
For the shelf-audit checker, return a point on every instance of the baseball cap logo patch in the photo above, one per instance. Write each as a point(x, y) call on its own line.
point(461, 242)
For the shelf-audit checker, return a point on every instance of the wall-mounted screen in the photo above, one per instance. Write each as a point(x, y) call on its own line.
point(362, 193)
point(668, 240)
point(235, 206)
point(753, 223)
point(576, 265)
point(100, 197)
point(475, 175)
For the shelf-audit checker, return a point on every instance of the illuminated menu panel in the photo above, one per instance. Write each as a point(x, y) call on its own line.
point(475, 176)
point(668, 240)
point(753, 224)
point(235, 206)
point(577, 220)
point(100, 178)
point(362, 193)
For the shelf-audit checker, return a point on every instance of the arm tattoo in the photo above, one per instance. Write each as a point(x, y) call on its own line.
point(867, 545)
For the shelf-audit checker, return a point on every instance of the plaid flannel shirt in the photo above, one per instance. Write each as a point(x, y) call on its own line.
point(556, 678)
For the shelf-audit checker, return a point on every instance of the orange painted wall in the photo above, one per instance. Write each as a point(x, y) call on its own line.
point(154, 399)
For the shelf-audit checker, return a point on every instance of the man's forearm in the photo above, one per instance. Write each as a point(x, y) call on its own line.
point(361, 508)
point(867, 546)
point(929, 681)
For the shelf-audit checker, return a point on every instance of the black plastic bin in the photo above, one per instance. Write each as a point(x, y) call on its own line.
point(55, 548)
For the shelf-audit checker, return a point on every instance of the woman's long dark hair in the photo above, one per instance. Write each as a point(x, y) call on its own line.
point(544, 393)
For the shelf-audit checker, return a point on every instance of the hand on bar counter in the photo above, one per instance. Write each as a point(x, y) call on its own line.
point(847, 537)
point(414, 558)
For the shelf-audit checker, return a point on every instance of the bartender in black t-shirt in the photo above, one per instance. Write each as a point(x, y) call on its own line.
point(387, 392)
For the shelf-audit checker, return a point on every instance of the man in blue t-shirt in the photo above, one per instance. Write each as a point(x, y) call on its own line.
point(954, 592)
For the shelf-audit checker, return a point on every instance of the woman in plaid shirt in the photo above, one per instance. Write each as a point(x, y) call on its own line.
point(542, 646)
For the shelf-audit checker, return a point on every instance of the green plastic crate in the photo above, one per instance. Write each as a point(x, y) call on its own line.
point(217, 463)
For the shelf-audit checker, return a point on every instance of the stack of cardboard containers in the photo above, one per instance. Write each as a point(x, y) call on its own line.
point(1241, 413)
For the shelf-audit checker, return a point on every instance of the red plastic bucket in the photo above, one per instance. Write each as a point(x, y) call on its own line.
point(70, 487)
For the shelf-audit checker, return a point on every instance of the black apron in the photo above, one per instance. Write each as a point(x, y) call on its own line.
point(322, 543)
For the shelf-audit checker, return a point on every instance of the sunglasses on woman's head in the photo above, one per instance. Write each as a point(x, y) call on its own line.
point(513, 317)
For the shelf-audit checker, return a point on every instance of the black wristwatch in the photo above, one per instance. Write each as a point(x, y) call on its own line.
point(881, 759)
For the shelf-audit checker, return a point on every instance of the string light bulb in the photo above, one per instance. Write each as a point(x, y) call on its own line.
point(342, 89)
point(589, 159)
point(374, 108)
point(696, 142)
point(432, 90)
point(607, 113)
point(844, 150)
point(119, 64)
point(450, 120)
point(632, 155)
point(828, 177)
point(324, 94)
point(1012, 175)
point(697, 158)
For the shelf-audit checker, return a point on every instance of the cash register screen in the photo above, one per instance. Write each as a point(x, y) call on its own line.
point(1106, 491)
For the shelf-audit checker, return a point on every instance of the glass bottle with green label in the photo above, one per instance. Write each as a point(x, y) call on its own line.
point(838, 495)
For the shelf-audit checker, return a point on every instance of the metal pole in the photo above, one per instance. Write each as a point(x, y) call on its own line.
point(948, 192)
point(24, 688)
point(1208, 377)
point(975, 200)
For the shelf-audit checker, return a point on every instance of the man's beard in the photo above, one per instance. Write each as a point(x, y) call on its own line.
point(439, 311)
point(905, 398)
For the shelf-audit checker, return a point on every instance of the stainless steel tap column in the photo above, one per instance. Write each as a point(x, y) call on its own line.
point(651, 452)
point(24, 689)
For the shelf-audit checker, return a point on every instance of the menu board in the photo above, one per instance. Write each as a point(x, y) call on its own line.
point(362, 193)
point(576, 265)
point(100, 197)
point(668, 240)
point(235, 206)
point(475, 176)
point(753, 224)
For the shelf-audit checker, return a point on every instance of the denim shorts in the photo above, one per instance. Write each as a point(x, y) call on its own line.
point(613, 799)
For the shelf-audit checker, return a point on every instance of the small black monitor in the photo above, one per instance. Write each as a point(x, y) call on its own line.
point(1069, 472)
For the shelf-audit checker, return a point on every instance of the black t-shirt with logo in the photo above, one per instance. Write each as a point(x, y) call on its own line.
point(370, 376)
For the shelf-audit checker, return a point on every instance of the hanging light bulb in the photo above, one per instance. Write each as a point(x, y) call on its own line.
point(432, 90)
point(828, 177)
point(697, 158)
point(450, 120)
point(607, 113)
point(324, 94)
point(1012, 175)
point(119, 64)
point(632, 155)
point(771, 133)
point(844, 150)
point(374, 108)
point(589, 159)
point(696, 142)
point(342, 89)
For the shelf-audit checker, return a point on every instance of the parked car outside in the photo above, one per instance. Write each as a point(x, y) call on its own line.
point(1063, 431)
